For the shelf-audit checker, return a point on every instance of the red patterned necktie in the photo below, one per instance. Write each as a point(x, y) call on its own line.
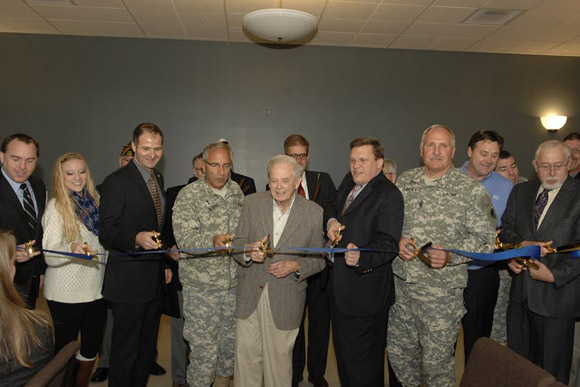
point(301, 191)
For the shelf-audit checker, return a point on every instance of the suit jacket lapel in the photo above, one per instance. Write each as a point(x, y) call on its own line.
point(293, 222)
point(141, 185)
point(528, 206)
point(266, 210)
point(9, 193)
point(559, 206)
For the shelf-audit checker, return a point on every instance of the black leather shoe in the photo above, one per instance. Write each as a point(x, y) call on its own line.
point(100, 375)
point(156, 369)
point(318, 381)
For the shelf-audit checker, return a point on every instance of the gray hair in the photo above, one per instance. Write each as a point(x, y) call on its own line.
point(551, 144)
point(435, 127)
point(392, 165)
point(216, 145)
point(283, 159)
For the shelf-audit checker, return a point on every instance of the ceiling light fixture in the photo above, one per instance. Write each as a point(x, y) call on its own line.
point(553, 123)
point(280, 25)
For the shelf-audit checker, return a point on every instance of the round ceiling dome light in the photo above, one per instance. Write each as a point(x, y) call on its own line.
point(280, 24)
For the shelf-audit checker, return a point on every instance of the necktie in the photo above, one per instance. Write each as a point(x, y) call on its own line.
point(301, 191)
point(28, 205)
point(156, 198)
point(351, 197)
point(541, 202)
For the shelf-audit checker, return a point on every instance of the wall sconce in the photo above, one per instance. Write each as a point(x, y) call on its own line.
point(553, 123)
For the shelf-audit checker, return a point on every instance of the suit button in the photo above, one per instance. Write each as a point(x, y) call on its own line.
point(261, 286)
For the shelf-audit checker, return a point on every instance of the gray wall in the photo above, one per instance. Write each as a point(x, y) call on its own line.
point(87, 94)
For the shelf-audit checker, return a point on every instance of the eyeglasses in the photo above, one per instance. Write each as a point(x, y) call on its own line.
point(555, 167)
point(298, 155)
point(216, 165)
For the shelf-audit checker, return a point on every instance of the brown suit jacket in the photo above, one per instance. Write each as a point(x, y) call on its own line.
point(286, 295)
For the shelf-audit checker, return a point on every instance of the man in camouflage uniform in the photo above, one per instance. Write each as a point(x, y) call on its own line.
point(206, 213)
point(450, 209)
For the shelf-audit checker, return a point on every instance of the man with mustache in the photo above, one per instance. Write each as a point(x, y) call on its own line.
point(544, 298)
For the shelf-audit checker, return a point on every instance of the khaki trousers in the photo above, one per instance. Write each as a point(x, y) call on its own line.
point(263, 352)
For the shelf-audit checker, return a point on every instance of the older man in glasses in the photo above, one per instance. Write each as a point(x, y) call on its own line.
point(544, 295)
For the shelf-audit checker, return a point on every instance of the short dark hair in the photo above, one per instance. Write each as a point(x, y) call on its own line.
point(378, 149)
point(146, 127)
point(503, 154)
point(572, 136)
point(296, 139)
point(485, 135)
point(195, 158)
point(20, 137)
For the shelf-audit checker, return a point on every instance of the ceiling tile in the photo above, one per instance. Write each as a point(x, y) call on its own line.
point(119, 29)
point(333, 38)
point(17, 10)
point(530, 47)
point(199, 5)
point(149, 4)
point(107, 14)
point(453, 44)
point(234, 20)
point(445, 14)
point(100, 3)
point(538, 18)
point(4, 27)
point(398, 12)
point(512, 4)
point(34, 26)
point(384, 27)
point(349, 10)
point(515, 33)
point(432, 29)
point(472, 31)
point(414, 42)
point(558, 33)
point(75, 27)
point(159, 23)
point(566, 49)
point(204, 25)
point(558, 5)
point(341, 25)
point(373, 40)
point(60, 12)
point(314, 7)
point(245, 6)
point(409, 2)
point(460, 3)
point(494, 45)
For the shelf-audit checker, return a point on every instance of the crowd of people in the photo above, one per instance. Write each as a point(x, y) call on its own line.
point(238, 270)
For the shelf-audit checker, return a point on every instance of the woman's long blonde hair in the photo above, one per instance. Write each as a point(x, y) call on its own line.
point(65, 205)
point(17, 323)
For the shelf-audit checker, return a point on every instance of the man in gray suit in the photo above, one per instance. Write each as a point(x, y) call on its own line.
point(271, 287)
point(544, 299)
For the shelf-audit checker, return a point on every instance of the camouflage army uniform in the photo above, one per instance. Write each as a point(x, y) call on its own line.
point(455, 212)
point(499, 327)
point(209, 279)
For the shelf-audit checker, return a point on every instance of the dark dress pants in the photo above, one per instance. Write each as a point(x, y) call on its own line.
point(318, 331)
point(359, 344)
point(479, 298)
point(545, 341)
point(133, 348)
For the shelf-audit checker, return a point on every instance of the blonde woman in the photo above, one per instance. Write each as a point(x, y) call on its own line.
point(26, 339)
point(73, 286)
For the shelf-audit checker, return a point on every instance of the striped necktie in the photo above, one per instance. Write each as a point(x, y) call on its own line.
point(156, 198)
point(28, 206)
point(301, 191)
point(351, 197)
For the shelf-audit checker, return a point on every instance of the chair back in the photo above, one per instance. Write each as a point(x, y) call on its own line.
point(59, 372)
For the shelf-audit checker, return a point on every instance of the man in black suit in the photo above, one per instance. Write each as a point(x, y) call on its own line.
point(573, 142)
point(318, 187)
point(22, 201)
point(131, 215)
point(544, 300)
point(361, 282)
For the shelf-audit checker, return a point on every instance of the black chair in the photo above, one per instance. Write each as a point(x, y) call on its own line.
point(60, 371)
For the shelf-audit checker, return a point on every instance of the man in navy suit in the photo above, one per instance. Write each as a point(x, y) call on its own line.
point(22, 201)
point(545, 298)
point(360, 283)
point(131, 216)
